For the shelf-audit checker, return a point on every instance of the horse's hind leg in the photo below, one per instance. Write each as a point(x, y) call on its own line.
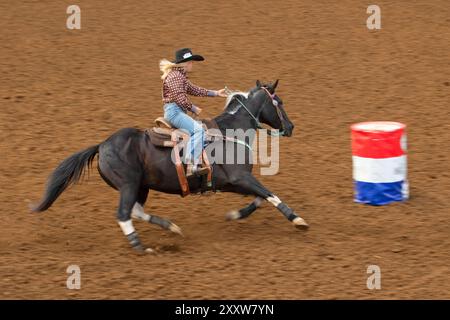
point(138, 213)
point(244, 212)
point(128, 197)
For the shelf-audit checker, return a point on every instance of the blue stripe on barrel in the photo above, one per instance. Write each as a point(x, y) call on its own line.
point(380, 193)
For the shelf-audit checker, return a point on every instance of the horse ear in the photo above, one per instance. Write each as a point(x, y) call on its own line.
point(274, 85)
point(258, 83)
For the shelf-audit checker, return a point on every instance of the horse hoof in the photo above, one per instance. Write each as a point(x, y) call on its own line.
point(232, 215)
point(299, 223)
point(142, 250)
point(176, 229)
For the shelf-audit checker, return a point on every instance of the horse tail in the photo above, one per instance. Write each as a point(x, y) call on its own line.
point(67, 173)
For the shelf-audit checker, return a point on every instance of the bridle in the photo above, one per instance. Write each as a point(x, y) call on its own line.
point(277, 109)
point(276, 106)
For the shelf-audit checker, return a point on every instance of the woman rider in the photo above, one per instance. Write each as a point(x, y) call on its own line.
point(176, 87)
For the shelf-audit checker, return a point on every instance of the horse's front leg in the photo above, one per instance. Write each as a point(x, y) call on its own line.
point(247, 183)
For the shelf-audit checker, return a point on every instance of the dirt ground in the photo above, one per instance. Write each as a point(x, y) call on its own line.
point(63, 90)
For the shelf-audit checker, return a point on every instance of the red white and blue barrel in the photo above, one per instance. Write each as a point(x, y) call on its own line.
point(379, 162)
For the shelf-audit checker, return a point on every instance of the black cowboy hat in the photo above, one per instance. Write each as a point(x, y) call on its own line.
point(185, 54)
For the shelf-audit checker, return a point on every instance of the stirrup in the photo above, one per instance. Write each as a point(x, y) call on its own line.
point(197, 170)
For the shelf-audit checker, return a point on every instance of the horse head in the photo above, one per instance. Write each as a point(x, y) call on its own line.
point(271, 109)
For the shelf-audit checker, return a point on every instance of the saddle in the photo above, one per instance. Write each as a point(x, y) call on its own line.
point(166, 136)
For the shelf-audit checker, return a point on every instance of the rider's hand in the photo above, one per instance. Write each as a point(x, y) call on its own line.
point(221, 93)
point(196, 110)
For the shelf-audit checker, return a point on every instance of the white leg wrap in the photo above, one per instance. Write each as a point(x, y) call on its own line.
point(274, 200)
point(138, 213)
point(233, 215)
point(127, 227)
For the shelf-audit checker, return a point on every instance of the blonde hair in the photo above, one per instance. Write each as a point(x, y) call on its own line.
point(166, 66)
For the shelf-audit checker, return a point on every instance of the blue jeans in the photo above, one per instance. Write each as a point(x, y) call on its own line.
point(179, 119)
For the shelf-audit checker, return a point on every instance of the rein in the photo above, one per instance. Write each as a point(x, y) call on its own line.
point(231, 139)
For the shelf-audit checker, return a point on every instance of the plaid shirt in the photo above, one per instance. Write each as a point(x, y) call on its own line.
point(176, 86)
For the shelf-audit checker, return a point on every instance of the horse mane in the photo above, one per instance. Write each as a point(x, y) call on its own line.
point(229, 107)
point(232, 108)
point(232, 105)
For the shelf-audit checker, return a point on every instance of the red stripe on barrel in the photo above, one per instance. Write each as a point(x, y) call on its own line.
point(378, 139)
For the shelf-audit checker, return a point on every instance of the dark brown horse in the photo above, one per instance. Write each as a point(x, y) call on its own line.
point(130, 163)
